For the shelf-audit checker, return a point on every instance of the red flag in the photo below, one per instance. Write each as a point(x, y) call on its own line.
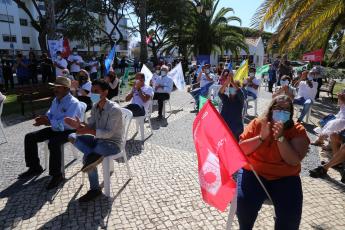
point(66, 48)
point(315, 56)
point(219, 156)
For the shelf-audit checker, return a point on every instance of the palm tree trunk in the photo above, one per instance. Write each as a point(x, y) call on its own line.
point(143, 45)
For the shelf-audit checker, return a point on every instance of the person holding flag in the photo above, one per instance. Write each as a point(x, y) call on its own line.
point(274, 146)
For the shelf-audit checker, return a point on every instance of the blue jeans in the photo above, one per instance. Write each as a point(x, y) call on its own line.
point(88, 144)
point(306, 106)
point(286, 194)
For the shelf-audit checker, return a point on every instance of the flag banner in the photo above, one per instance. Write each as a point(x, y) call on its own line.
point(66, 49)
point(315, 56)
point(54, 46)
point(203, 59)
point(229, 67)
point(108, 62)
point(219, 157)
point(148, 74)
point(242, 72)
point(262, 70)
point(300, 68)
point(176, 74)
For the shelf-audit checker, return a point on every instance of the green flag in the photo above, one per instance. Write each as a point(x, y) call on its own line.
point(263, 70)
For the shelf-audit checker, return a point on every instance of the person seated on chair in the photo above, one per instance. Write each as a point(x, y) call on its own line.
point(338, 149)
point(334, 124)
point(113, 82)
point(64, 105)
point(252, 85)
point(155, 76)
point(83, 88)
point(307, 90)
point(285, 88)
point(274, 146)
point(232, 106)
point(140, 96)
point(100, 137)
point(205, 78)
point(162, 89)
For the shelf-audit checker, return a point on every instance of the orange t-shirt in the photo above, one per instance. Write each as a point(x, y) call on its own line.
point(266, 159)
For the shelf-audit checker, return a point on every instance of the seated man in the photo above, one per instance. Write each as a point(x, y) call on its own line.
point(253, 85)
point(205, 78)
point(100, 137)
point(307, 90)
point(163, 87)
point(140, 95)
point(64, 105)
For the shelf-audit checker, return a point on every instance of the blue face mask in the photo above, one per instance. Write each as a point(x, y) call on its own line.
point(232, 91)
point(95, 98)
point(284, 82)
point(281, 116)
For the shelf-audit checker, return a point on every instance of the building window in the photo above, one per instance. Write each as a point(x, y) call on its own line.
point(6, 18)
point(23, 22)
point(7, 38)
point(26, 40)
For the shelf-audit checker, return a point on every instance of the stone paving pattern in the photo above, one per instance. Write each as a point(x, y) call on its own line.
point(164, 192)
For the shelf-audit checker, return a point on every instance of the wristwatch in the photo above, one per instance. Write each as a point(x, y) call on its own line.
point(281, 139)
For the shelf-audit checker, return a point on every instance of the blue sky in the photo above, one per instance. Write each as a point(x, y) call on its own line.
point(244, 9)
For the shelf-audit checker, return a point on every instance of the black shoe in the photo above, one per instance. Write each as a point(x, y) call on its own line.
point(318, 172)
point(54, 182)
point(31, 172)
point(90, 195)
point(91, 162)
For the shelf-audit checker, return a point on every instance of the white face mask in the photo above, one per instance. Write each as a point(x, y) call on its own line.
point(284, 82)
point(158, 71)
point(75, 53)
point(207, 71)
point(251, 74)
point(310, 78)
point(163, 73)
point(59, 57)
point(94, 58)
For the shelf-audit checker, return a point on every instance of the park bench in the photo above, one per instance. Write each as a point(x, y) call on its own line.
point(328, 88)
point(33, 94)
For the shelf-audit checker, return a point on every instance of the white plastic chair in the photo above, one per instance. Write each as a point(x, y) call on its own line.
point(164, 108)
point(299, 110)
point(1, 127)
point(108, 162)
point(140, 121)
point(74, 150)
point(251, 99)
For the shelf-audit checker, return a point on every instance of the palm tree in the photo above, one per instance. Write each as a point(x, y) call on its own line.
point(307, 24)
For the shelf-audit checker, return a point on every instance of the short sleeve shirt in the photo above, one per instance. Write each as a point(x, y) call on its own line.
point(74, 67)
point(203, 79)
point(147, 90)
point(62, 63)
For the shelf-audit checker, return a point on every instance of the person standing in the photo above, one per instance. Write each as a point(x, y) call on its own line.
point(32, 66)
point(100, 137)
point(60, 64)
point(75, 61)
point(114, 85)
point(7, 74)
point(94, 64)
point(22, 69)
point(123, 65)
point(102, 65)
point(162, 89)
point(64, 105)
point(47, 69)
point(284, 69)
point(272, 78)
point(317, 72)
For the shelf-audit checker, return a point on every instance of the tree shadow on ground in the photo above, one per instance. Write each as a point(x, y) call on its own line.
point(24, 199)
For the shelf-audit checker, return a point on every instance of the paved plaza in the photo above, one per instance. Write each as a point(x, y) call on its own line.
point(164, 192)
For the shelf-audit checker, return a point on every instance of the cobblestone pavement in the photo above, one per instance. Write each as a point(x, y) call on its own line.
point(163, 194)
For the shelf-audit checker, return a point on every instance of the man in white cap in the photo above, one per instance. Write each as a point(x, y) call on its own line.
point(162, 89)
point(64, 105)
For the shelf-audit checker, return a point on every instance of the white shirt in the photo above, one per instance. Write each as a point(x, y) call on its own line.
point(147, 90)
point(154, 78)
point(203, 79)
point(337, 125)
point(306, 92)
point(75, 58)
point(87, 86)
point(93, 67)
point(166, 83)
point(63, 63)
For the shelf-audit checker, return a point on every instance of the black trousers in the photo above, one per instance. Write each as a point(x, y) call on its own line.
point(137, 110)
point(56, 141)
point(161, 97)
point(270, 86)
point(8, 78)
point(319, 81)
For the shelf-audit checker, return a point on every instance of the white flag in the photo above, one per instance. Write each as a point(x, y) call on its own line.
point(148, 74)
point(176, 74)
point(54, 46)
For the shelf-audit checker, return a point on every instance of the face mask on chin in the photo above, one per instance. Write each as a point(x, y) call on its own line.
point(280, 116)
point(163, 73)
point(95, 98)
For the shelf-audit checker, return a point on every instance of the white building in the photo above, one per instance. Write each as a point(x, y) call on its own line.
point(15, 23)
point(256, 53)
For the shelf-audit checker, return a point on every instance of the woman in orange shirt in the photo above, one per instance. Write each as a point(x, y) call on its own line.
point(275, 147)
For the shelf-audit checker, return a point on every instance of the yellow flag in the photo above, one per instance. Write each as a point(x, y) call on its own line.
point(242, 72)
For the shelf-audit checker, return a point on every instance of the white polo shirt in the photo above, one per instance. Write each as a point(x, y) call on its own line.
point(147, 90)
point(306, 92)
point(75, 58)
point(62, 63)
